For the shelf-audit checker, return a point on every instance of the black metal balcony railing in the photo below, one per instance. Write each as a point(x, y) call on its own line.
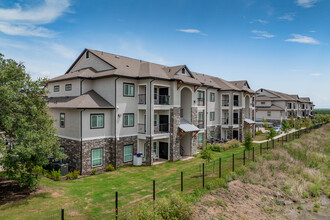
point(225, 102)
point(161, 128)
point(141, 128)
point(161, 100)
point(200, 101)
point(200, 124)
point(142, 98)
point(236, 103)
point(236, 121)
point(225, 121)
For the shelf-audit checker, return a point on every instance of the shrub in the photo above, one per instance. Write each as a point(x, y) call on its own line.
point(94, 171)
point(314, 189)
point(109, 168)
point(234, 144)
point(248, 141)
point(206, 155)
point(258, 132)
point(54, 175)
point(72, 175)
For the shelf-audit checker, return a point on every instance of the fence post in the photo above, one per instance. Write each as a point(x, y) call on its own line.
point(233, 162)
point(181, 181)
point(253, 154)
point(260, 148)
point(219, 167)
point(62, 214)
point(116, 203)
point(203, 177)
point(244, 158)
point(154, 189)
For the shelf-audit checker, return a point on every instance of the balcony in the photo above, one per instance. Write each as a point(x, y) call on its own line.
point(142, 99)
point(200, 101)
point(225, 102)
point(200, 124)
point(161, 99)
point(236, 121)
point(161, 128)
point(141, 128)
point(236, 103)
point(225, 121)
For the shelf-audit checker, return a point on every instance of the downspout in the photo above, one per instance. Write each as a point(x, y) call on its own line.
point(206, 100)
point(150, 118)
point(81, 133)
point(116, 122)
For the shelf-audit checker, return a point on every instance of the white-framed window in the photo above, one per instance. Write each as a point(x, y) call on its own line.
point(212, 116)
point(155, 147)
point(128, 153)
point(129, 89)
point(269, 113)
point(155, 120)
point(68, 87)
point(128, 120)
point(97, 121)
point(62, 120)
point(56, 88)
point(97, 155)
point(201, 116)
point(212, 97)
point(212, 134)
point(200, 138)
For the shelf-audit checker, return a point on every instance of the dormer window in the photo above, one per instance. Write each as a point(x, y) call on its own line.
point(183, 71)
point(87, 54)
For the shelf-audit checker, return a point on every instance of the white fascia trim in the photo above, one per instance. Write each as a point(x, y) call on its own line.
point(71, 138)
point(163, 85)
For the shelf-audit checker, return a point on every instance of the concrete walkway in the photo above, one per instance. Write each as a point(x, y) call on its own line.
point(277, 137)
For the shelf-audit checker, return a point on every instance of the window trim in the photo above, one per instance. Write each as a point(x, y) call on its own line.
point(57, 86)
point(199, 135)
point(63, 120)
point(212, 113)
point(100, 148)
point(269, 113)
point(127, 126)
point(124, 89)
point(212, 100)
point(96, 114)
point(69, 84)
point(124, 152)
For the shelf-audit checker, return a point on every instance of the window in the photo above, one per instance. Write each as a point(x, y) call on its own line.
point(200, 98)
point(129, 120)
point(212, 116)
point(62, 120)
point(56, 88)
point(128, 153)
point(262, 103)
point(200, 138)
point(212, 97)
point(183, 71)
point(97, 157)
point(155, 120)
point(129, 89)
point(97, 121)
point(155, 147)
point(269, 113)
point(68, 87)
point(201, 116)
point(212, 134)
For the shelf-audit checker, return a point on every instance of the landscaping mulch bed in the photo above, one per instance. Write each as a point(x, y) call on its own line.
point(10, 191)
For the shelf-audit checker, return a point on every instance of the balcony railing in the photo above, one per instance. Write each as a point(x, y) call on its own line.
point(181, 112)
point(141, 128)
point(236, 103)
point(236, 121)
point(225, 121)
point(200, 101)
point(161, 100)
point(161, 128)
point(200, 124)
point(225, 102)
point(142, 98)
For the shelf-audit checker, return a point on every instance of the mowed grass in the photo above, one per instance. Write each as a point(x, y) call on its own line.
point(261, 137)
point(94, 196)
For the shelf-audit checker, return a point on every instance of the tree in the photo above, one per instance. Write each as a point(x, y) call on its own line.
point(308, 123)
point(265, 123)
point(206, 154)
point(291, 121)
point(272, 133)
point(248, 141)
point(285, 126)
point(27, 125)
point(298, 123)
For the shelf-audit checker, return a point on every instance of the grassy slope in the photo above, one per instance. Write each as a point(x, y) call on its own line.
point(94, 195)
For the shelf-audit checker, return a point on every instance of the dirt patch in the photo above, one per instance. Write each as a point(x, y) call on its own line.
point(10, 191)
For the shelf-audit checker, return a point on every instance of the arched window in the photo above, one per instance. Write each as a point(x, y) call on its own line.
point(183, 71)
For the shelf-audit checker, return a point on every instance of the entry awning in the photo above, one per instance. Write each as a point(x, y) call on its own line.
point(249, 121)
point(187, 126)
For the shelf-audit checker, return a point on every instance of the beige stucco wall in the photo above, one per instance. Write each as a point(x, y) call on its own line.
point(92, 61)
point(72, 125)
point(74, 92)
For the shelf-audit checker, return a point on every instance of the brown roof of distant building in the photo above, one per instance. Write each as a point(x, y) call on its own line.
point(280, 96)
point(271, 108)
point(88, 100)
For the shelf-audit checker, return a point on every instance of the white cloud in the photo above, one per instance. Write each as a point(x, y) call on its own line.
point(261, 34)
point(191, 31)
point(259, 21)
point(24, 22)
point(315, 74)
point(312, 31)
point(306, 3)
point(64, 51)
point(287, 16)
point(302, 39)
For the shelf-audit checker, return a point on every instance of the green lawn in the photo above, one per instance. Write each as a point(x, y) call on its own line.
point(261, 137)
point(94, 196)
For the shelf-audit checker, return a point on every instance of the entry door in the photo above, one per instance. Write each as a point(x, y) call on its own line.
point(163, 150)
point(163, 123)
point(235, 134)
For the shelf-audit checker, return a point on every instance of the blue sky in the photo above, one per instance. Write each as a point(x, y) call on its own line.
point(276, 44)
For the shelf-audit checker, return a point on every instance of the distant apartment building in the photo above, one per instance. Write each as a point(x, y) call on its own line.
point(109, 107)
point(277, 106)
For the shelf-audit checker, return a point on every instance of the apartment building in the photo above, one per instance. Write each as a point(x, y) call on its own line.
point(277, 106)
point(109, 107)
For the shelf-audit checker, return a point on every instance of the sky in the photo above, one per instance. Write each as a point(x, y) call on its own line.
point(281, 45)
